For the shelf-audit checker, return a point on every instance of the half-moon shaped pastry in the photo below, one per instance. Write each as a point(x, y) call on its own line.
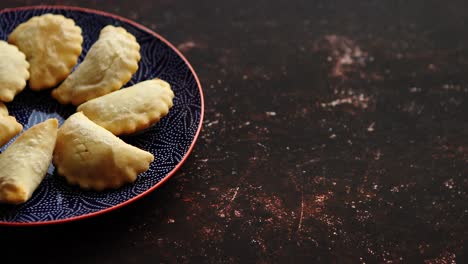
point(131, 109)
point(108, 65)
point(9, 127)
point(94, 158)
point(52, 44)
point(24, 164)
point(13, 71)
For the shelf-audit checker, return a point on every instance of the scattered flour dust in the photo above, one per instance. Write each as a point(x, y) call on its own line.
point(444, 258)
point(346, 57)
point(186, 46)
point(345, 54)
point(359, 101)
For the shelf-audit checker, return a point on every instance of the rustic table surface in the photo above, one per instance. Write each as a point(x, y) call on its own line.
point(335, 131)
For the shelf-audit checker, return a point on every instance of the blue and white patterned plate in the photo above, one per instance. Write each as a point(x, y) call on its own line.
point(171, 140)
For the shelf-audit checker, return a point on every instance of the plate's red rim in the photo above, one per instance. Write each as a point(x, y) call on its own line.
point(171, 173)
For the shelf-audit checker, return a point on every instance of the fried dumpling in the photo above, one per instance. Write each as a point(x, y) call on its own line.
point(24, 164)
point(92, 157)
point(3, 109)
point(13, 71)
point(9, 127)
point(132, 109)
point(52, 44)
point(108, 65)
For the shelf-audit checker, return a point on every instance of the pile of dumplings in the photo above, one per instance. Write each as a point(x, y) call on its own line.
point(86, 149)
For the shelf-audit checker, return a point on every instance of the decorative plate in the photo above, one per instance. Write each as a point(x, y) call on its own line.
point(170, 140)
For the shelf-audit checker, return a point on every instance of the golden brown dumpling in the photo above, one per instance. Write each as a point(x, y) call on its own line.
point(13, 71)
point(9, 127)
point(109, 64)
point(52, 44)
point(94, 158)
point(132, 109)
point(24, 164)
point(3, 109)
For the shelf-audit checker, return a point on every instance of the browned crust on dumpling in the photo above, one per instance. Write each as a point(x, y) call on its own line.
point(52, 45)
point(108, 65)
point(132, 109)
point(93, 158)
point(13, 71)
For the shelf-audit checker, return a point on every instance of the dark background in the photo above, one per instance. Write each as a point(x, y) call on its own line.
point(335, 131)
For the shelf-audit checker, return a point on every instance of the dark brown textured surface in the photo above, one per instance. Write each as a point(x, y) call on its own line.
point(335, 131)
